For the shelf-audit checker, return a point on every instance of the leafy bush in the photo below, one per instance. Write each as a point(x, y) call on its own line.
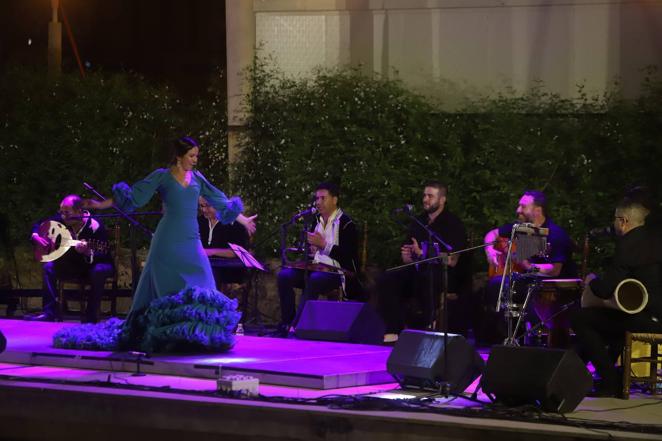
point(381, 142)
point(60, 132)
point(375, 137)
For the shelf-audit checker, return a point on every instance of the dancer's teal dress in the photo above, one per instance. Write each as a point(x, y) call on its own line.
point(176, 259)
point(176, 306)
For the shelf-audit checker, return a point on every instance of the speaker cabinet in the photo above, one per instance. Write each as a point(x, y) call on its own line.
point(556, 380)
point(417, 361)
point(352, 322)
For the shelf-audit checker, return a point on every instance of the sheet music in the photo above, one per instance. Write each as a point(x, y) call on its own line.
point(246, 258)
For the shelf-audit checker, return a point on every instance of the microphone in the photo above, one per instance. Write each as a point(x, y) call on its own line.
point(407, 209)
point(601, 231)
point(306, 212)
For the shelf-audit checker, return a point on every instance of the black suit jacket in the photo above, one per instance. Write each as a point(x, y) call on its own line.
point(451, 229)
point(638, 256)
point(346, 253)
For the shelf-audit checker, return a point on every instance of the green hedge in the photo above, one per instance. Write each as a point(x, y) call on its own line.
point(375, 137)
point(381, 141)
point(60, 132)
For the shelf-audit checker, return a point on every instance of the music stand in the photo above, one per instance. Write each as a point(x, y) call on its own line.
point(246, 258)
point(249, 262)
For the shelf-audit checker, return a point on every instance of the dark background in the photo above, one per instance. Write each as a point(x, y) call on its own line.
point(180, 42)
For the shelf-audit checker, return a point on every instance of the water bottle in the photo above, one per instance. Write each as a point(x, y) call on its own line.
point(240, 330)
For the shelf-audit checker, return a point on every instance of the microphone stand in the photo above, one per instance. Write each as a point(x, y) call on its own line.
point(133, 225)
point(432, 234)
point(445, 387)
point(442, 319)
point(510, 311)
point(307, 221)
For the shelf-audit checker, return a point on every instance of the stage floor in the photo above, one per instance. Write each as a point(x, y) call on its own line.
point(278, 361)
point(289, 371)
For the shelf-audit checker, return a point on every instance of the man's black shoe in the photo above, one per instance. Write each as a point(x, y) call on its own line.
point(282, 330)
point(41, 317)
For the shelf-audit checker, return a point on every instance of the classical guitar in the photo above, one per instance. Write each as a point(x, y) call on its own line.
point(60, 240)
point(529, 241)
point(501, 246)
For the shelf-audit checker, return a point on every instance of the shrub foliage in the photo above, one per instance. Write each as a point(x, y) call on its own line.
point(373, 136)
point(381, 142)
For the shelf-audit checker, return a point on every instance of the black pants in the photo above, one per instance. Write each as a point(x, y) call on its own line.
point(228, 275)
point(600, 336)
point(411, 283)
point(95, 274)
point(318, 283)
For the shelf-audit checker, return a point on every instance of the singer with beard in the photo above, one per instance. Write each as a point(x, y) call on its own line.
point(334, 242)
point(411, 285)
point(532, 208)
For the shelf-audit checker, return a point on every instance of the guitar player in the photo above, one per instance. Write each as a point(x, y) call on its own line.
point(93, 264)
point(532, 208)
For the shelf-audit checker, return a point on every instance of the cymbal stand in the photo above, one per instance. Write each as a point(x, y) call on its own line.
point(510, 310)
point(513, 310)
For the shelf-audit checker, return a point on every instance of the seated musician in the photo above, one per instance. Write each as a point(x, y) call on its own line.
point(84, 261)
point(335, 244)
point(601, 331)
point(557, 262)
point(216, 238)
point(422, 284)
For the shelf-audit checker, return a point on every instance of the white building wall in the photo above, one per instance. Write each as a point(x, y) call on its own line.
point(470, 46)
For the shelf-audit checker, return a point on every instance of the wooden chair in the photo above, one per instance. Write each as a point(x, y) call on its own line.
point(652, 357)
point(82, 283)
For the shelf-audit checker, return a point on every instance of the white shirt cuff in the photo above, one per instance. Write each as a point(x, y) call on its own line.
point(327, 249)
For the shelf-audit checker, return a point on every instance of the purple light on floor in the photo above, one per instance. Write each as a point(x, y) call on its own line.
point(227, 360)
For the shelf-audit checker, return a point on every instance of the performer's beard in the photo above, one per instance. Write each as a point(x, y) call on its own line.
point(523, 218)
point(431, 208)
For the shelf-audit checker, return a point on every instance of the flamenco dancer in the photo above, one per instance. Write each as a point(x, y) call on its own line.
point(176, 306)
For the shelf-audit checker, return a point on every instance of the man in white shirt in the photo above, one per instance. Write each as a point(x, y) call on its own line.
point(335, 244)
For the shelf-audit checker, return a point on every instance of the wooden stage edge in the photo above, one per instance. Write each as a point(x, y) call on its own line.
point(35, 410)
point(47, 402)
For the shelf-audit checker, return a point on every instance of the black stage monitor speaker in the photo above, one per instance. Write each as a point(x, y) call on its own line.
point(352, 322)
point(556, 380)
point(417, 360)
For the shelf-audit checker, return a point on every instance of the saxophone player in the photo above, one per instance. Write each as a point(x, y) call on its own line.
point(601, 331)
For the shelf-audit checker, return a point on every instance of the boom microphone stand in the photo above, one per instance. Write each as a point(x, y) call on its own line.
point(308, 217)
point(431, 234)
point(441, 324)
point(133, 225)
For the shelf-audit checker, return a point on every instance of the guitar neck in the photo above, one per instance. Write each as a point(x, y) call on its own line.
point(96, 245)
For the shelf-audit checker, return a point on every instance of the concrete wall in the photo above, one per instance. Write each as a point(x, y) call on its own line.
point(464, 47)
